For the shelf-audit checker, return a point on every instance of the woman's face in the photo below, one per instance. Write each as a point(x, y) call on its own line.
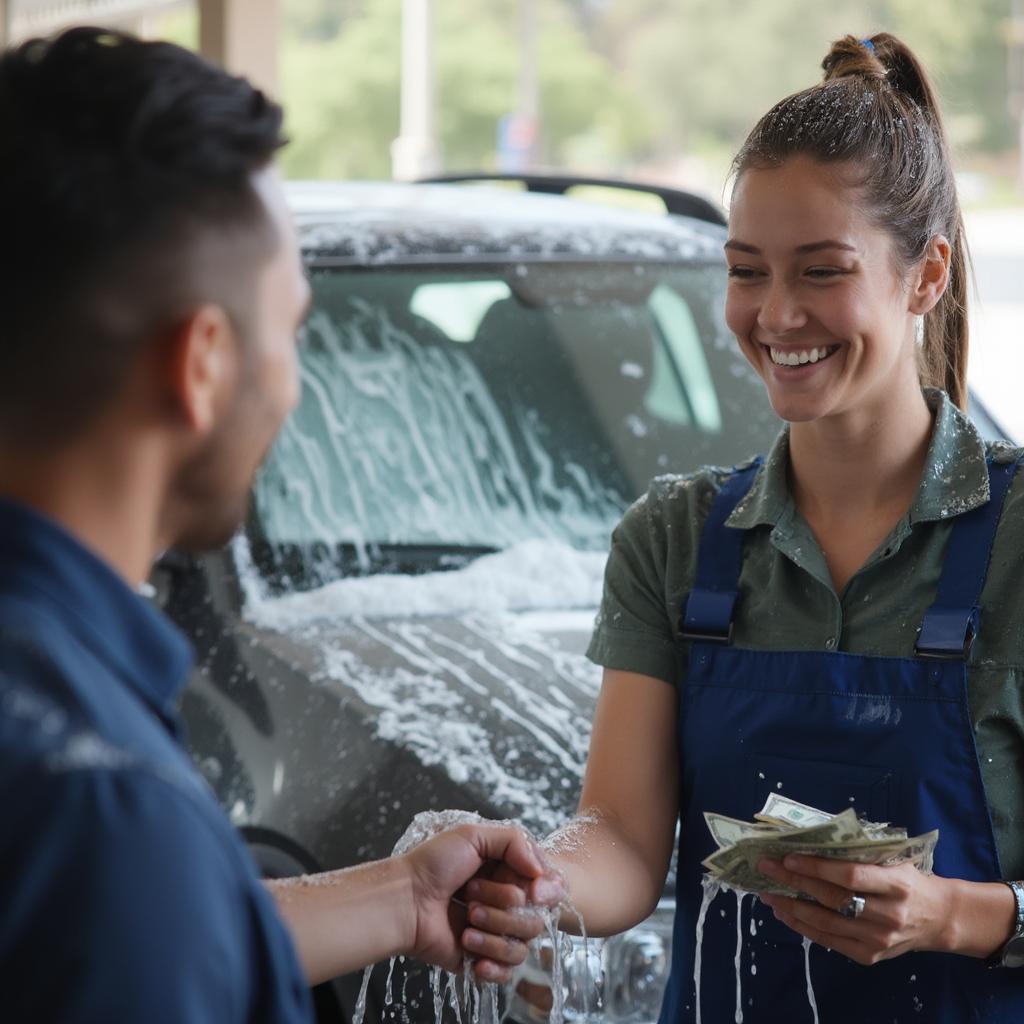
point(815, 298)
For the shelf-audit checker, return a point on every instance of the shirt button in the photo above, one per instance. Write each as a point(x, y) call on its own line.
point(830, 642)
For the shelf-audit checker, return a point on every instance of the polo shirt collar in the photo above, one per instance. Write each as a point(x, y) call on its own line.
point(768, 498)
point(955, 478)
point(46, 564)
point(954, 481)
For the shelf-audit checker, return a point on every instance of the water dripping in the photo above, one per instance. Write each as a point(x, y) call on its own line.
point(387, 986)
point(435, 988)
point(712, 887)
point(807, 975)
point(740, 896)
point(588, 979)
point(453, 997)
point(360, 1009)
point(479, 1002)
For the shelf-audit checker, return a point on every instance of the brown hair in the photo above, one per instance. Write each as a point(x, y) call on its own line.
point(876, 111)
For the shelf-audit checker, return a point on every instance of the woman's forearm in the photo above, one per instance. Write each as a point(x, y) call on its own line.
point(611, 882)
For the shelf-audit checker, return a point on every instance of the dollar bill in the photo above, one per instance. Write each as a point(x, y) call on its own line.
point(737, 865)
point(786, 826)
point(782, 810)
point(729, 831)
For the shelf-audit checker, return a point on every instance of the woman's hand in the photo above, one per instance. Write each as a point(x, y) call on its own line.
point(440, 868)
point(499, 908)
point(904, 909)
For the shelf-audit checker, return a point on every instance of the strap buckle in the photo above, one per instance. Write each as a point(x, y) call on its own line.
point(708, 615)
point(947, 634)
point(695, 633)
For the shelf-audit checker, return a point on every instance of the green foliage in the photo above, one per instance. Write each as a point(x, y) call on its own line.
point(621, 81)
point(712, 67)
point(340, 83)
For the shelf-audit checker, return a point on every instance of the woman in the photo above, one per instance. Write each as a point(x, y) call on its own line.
point(859, 554)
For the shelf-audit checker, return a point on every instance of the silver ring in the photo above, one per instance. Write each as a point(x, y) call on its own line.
point(853, 907)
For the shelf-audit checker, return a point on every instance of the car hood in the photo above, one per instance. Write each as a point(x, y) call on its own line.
point(499, 704)
point(333, 716)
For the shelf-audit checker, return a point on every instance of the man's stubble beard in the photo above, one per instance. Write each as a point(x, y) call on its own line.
point(211, 508)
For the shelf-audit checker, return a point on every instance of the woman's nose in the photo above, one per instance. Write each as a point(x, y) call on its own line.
point(780, 312)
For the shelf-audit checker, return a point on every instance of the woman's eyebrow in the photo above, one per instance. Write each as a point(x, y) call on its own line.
point(825, 243)
point(742, 247)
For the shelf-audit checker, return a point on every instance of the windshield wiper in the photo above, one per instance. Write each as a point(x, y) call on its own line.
point(293, 566)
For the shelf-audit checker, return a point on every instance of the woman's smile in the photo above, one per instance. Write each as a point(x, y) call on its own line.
point(790, 356)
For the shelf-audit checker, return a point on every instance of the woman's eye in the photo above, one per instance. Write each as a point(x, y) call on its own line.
point(824, 272)
point(743, 273)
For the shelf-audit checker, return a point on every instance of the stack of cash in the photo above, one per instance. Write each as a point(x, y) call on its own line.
point(785, 826)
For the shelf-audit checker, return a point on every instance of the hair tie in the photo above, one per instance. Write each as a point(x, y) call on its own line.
point(868, 45)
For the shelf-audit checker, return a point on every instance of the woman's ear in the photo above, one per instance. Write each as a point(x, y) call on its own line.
point(932, 276)
point(202, 367)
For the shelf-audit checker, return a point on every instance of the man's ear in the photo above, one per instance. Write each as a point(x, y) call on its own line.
point(932, 276)
point(202, 366)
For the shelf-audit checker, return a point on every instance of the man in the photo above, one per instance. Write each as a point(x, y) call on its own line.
point(150, 296)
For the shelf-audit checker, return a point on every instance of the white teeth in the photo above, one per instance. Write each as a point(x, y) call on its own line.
point(792, 358)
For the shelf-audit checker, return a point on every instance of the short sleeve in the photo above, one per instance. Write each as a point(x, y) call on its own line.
point(122, 903)
point(650, 571)
point(634, 632)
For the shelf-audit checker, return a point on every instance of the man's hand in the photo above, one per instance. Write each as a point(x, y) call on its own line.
point(442, 866)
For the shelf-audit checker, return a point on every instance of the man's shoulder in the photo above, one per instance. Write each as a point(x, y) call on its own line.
point(72, 787)
point(111, 783)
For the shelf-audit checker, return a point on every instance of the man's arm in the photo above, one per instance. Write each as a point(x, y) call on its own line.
point(342, 920)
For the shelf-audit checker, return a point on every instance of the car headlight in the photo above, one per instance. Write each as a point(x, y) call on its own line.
point(620, 980)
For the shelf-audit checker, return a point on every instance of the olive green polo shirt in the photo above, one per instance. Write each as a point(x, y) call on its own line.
point(788, 601)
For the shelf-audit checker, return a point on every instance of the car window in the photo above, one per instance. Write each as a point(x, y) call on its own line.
point(451, 411)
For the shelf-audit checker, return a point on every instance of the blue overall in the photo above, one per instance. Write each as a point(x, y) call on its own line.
point(889, 736)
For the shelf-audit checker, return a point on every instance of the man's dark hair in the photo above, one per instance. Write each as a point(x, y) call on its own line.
point(120, 160)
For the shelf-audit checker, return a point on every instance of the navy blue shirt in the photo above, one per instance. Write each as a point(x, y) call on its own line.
point(125, 894)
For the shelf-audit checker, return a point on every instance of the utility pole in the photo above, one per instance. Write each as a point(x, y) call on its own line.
point(1015, 80)
point(529, 89)
point(519, 131)
point(415, 153)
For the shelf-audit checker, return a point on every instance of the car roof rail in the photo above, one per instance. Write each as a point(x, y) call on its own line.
point(676, 200)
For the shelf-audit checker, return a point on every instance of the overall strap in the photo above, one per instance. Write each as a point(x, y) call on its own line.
point(709, 608)
point(951, 623)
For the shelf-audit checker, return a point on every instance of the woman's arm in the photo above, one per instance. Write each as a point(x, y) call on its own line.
point(615, 854)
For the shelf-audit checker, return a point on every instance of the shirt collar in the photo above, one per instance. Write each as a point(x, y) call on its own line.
point(954, 481)
point(121, 628)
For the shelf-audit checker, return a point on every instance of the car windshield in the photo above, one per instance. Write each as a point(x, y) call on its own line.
point(447, 412)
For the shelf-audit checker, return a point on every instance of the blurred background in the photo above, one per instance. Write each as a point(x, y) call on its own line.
point(658, 90)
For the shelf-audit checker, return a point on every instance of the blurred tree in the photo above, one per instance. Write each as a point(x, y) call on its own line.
point(318, 19)
point(707, 69)
point(965, 45)
point(622, 82)
point(341, 86)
